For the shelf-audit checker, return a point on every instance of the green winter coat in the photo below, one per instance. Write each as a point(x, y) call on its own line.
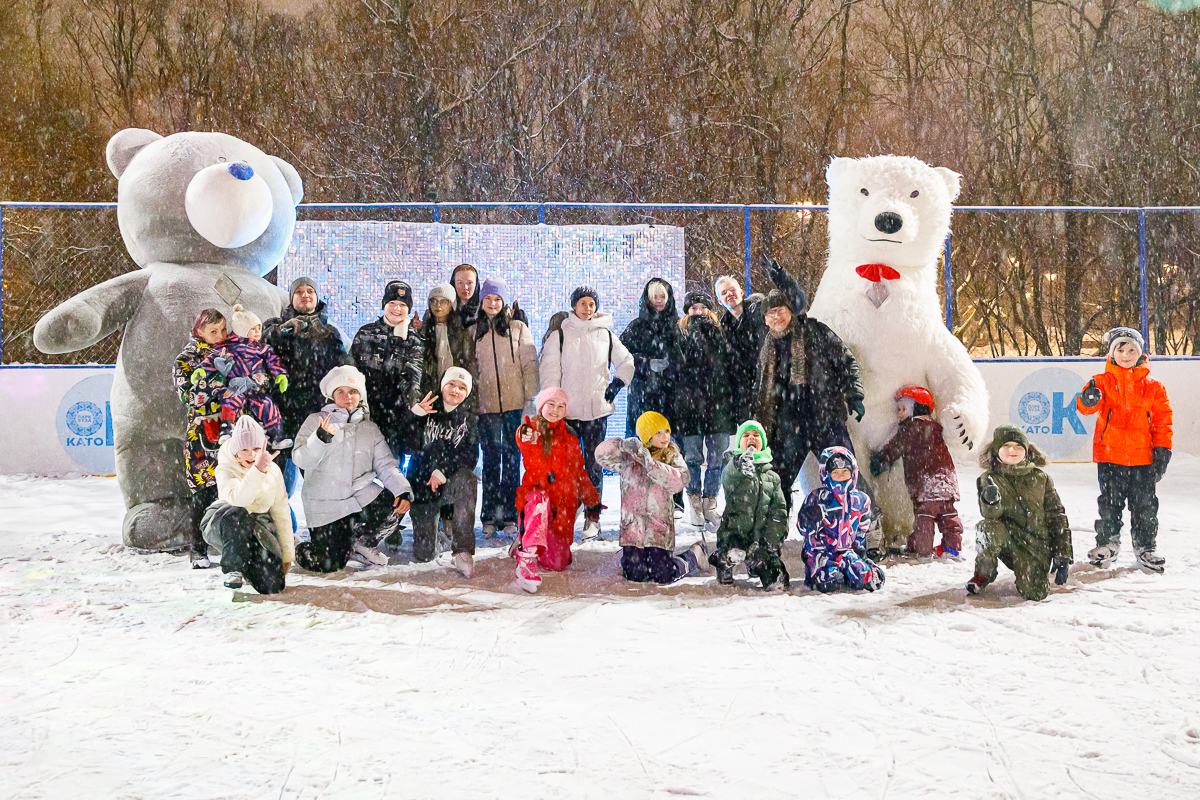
point(1027, 529)
point(755, 506)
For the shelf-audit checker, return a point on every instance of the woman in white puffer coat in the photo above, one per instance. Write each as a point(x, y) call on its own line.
point(576, 358)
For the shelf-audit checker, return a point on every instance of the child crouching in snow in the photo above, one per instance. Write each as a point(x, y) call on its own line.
point(553, 487)
point(929, 473)
point(754, 524)
point(652, 470)
point(833, 523)
point(1024, 523)
point(345, 459)
point(250, 524)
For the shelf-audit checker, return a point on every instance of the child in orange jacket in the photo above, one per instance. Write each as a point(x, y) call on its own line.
point(1131, 448)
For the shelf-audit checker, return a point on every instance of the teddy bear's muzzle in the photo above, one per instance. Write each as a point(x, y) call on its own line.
point(228, 204)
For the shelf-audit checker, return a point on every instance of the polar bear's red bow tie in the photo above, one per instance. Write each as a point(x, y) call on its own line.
point(876, 272)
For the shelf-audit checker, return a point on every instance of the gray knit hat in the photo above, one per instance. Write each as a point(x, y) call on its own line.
point(303, 280)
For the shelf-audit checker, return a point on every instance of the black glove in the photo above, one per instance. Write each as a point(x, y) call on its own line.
point(877, 465)
point(614, 387)
point(990, 493)
point(1090, 396)
point(1062, 568)
point(1162, 457)
point(769, 264)
point(858, 409)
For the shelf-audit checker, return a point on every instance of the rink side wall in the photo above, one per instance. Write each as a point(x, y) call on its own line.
point(57, 420)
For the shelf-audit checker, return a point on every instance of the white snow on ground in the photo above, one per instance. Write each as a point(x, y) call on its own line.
point(132, 676)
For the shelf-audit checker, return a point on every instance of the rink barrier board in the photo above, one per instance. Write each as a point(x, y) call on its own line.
point(58, 419)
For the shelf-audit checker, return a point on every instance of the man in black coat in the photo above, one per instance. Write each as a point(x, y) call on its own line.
point(390, 353)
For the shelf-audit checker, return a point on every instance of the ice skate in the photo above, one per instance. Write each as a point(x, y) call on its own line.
point(200, 561)
point(946, 552)
point(369, 556)
point(464, 562)
point(1103, 555)
point(527, 572)
point(712, 520)
point(977, 584)
point(591, 531)
point(695, 510)
point(233, 580)
point(724, 568)
point(489, 529)
point(1150, 562)
point(280, 444)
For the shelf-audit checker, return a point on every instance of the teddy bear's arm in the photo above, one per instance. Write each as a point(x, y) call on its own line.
point(91, 315)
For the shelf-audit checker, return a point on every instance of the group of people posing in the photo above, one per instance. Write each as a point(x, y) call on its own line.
point(268, 401)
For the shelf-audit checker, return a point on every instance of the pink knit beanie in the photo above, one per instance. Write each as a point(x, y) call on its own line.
point(552, 393)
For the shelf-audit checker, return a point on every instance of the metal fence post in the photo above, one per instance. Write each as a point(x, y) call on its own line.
point(1, 284)
point(746, 243)
point(437, 213)
point(542, 214)
point(1142, 278)
point(949, 284)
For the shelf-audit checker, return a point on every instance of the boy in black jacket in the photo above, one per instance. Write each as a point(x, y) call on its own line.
point(443, 471)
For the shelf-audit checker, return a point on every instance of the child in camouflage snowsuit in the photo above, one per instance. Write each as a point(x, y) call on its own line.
point(1024, 523)
point(754, 523)
point(833, 523)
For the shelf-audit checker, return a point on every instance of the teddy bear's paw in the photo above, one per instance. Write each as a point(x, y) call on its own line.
point(74, 325)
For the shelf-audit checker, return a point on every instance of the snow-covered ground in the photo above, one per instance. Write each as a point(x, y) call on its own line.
point(132, 676)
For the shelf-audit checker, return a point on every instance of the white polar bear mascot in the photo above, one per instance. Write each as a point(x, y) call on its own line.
point(205, 216)
point(888, 219)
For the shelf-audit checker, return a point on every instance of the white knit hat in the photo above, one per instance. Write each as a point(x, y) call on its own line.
point(247, 435)
point(444, 291)
point(242, 321)
point(457, 374)
point(344, 376)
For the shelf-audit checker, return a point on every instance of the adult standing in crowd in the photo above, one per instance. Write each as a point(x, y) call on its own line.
point(576, 358)
point(745, 327)
point(703, 404)
point(506, 364)
point(653, 339)
point(390, 353)
point(448, 343)
point(465, 280)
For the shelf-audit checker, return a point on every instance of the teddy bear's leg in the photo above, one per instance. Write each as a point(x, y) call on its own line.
point(892, 496)
point(157, 501)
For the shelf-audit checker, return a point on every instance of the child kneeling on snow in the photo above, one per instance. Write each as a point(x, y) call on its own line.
point(1024, 523)
point(443, 471)
point(833, 523)
point(554, 485)
point(250, 523)
point(929, 473)
point(652, 470)
point(345, 459)
point(754, 524)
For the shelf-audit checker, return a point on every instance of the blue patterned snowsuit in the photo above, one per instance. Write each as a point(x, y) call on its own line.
point(833, 523)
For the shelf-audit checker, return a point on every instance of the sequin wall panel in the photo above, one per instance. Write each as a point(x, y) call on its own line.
point(351, 261)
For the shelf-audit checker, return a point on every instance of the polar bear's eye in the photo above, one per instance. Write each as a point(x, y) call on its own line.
point(865, 192)
point(915, 193)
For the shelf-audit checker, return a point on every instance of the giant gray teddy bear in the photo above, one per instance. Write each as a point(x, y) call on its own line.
point(205, 216)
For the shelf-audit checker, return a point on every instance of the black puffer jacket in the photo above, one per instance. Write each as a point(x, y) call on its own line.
point(654, 340)
point(392, 366)
point(309, 346)
point(703, 405)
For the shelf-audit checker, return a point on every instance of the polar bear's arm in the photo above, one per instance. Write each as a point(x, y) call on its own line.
point(91, 315)
point(958, 386)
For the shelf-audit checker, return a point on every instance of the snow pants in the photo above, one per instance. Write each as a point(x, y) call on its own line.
point(555, 531)
point(1020, 550)
point(456, 508)
point(1136, 485)
point(591, 433)
point(202, 498)
point(651, 565)
point(501, 465)
point(331, 545)
point(256, 404)
point(826, 572)
point(241, 551)
point(925, 516)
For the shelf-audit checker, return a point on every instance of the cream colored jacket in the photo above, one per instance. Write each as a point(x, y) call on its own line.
point(259, 493)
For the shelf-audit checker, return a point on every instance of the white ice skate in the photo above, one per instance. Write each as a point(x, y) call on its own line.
point(464, 562)
point(527, 572)
point(1150, 562)
point(233, 580)
point(591, 531)
point(369, 556)
point(1103, 555)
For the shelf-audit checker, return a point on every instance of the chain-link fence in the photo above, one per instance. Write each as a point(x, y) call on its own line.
point(1024, 281)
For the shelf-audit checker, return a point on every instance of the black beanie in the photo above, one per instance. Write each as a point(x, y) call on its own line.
point(691, 298)
point(397, 290)
point(582, 292)
point(777, 299)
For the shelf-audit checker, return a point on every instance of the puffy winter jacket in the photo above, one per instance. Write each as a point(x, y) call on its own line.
point(928, 468)
point(392, 364)
point(309, 346)
point(653, 339)
point(580, 367)
point(755, 505)
point(340, 475)
point(835, 516)
point(259, 493)
point(1029, 509)
point(506, 364)
point(560, 473)
point(647, 490)
point(1134, 416)
point(704, 404)
point(449, 442)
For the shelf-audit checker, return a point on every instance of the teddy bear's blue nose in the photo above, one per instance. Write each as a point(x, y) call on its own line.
point(244, 172)
point(888, 222)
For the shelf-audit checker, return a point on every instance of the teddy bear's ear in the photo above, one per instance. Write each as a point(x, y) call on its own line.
point(292, 177)
point(953, 181)
point(126, 144)
point(839, 169)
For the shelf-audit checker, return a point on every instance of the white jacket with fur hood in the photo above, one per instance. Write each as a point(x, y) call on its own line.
point(580, 368)
point(259, 493)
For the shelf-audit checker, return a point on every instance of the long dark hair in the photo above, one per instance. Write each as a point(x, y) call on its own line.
point(484, 323)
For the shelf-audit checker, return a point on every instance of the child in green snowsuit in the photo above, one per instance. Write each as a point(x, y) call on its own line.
point(754, 524)
point(1024, 523)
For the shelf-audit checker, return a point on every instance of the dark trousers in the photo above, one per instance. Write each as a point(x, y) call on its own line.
point(455, 505)
point(1026, 555)
point(202, 498)
point(925, 516)
point(591, 434)
point(1136, 485)
point(332, 544)
point(501, 465)
point(241, 551)
point(650, 565)
point(791, 447)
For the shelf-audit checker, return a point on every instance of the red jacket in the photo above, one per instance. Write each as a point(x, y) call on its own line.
point(1135, 416)
point(928, 468)
point(570, 485)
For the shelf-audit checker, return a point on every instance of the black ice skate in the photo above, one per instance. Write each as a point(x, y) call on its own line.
point(1150, 562)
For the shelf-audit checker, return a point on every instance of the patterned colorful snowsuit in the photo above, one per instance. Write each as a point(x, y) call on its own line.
point(833, 523)
point(247, 369)
point(203, 412)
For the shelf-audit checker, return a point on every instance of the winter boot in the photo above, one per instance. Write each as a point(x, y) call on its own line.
point(369, 556)
point(233, 580)
point(1149, 561)
point(946, 552)
point(1103, 555)
point(711, 518)
point(876, 579)
point(724, 568)
point(489, 529)
point(527, 572)
point(200, 561)
point(464, 562)
point(976, 584)
point(695, 510)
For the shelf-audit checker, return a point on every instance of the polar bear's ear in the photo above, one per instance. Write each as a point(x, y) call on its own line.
point(124, 145)
point(953, 181)
point(838, 170)
point(292, 177)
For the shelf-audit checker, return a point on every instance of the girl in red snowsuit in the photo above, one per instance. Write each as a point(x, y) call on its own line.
point(554, 464)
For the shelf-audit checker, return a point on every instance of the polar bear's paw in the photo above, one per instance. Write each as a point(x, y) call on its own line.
point(961, 428)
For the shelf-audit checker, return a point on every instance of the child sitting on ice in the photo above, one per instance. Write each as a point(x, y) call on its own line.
point(246, 366)
point(443, 471)
point(652, 470)
point(833, 523)
point(754, 523)
point(928, 473)
point(1024, 523)
point(554, 485)
point(1131, 448)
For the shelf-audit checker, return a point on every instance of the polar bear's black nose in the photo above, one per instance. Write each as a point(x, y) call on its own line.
point(888, 222)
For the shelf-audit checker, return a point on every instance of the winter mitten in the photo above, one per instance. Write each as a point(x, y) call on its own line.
point(223, 364)
point(197, 376)
point(240, 385)
point(658, 365)
point(1162, 457)
point(1091, 395)
point(1062, 568)
point(281, 383)
point(613, 389)
point(746, 464)
point(877, 465)
point(858, 410)
point(990, 493)
point(769, 264)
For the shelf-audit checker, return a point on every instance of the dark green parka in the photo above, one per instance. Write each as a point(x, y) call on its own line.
point(755, 504)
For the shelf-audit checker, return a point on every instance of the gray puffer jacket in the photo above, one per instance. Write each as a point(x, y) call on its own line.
point(343, 476)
